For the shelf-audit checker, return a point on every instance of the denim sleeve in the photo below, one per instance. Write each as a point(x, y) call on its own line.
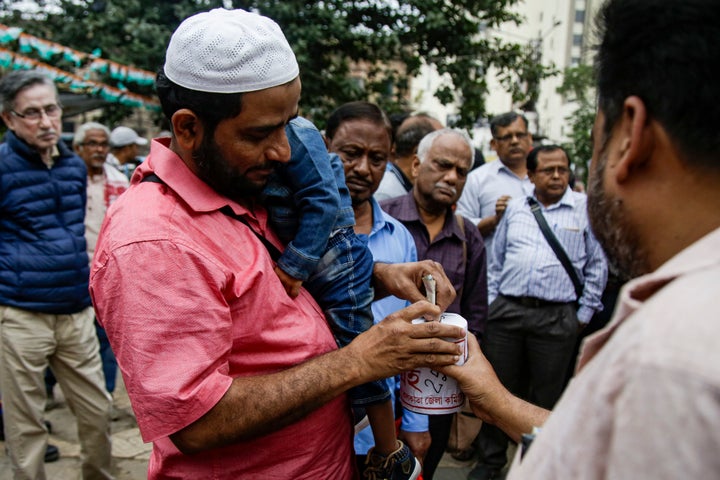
point(315, 193)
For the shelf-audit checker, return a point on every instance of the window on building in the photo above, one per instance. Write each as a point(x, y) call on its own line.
point(579, 16)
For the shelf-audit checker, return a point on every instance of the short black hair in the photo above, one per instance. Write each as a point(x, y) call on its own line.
point(505, 119)
point(532, 158)
point(210, 108)
point(408, 138)
point(396, 119)
point(356, 111)
point(665, 52)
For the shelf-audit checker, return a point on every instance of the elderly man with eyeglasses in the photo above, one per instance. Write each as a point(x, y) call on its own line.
point(537, 307)
point(491, 186)
point(46, 317)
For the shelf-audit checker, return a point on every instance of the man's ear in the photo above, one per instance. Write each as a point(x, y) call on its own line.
point(188, 129)
point(635, 139)
point(493, 145)
point(7, 118)
point(531, 176)
point(415, 167)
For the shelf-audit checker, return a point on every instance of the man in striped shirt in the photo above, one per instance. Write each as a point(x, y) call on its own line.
point(535, 313)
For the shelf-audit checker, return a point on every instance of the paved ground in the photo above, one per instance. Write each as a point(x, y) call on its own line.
point(130, 454)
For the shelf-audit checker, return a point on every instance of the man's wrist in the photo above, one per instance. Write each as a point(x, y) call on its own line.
point(380, 291)
point(487, 225)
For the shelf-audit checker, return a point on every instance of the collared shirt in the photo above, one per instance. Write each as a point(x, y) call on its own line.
point(189, 300)
point(646, 397)
point(393, 184)
point(521, 262)
point(465, 267)
point(484, 186)
point(126, 168)
point(102, 191)
point(390, 242)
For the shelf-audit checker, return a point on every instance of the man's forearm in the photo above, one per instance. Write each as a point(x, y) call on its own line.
point(490, 400)
point(516, 417)
point(256, 405)
point(487, 225)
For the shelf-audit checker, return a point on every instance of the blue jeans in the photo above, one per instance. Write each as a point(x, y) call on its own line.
point(341, 284)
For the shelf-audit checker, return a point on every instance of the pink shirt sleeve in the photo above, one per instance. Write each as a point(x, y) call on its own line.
point(176, 372)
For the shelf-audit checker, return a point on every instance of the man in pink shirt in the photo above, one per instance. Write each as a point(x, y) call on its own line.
point(645, 401)
point(230, 377)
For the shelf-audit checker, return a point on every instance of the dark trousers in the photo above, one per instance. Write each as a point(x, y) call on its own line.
point(439, 428)
point(598, 321)
point(107, 356)
point(530, 348)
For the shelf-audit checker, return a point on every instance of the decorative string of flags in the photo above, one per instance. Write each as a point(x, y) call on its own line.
point(74, 82)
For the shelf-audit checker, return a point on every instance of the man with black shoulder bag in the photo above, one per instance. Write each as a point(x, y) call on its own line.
point(546, 275)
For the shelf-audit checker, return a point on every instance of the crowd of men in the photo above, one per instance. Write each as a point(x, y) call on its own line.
point(171, 270)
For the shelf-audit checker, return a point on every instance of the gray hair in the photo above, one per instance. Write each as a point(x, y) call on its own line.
point(82, 130)
point(14, 82)
point(427, 141)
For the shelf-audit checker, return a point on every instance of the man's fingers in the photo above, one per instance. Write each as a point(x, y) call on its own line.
point(422, 328)
point(445, 292)
point(417, 310)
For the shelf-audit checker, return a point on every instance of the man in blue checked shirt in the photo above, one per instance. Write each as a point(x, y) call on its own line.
point(535, 313)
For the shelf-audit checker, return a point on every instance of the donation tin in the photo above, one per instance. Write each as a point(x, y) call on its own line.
point(427, 391)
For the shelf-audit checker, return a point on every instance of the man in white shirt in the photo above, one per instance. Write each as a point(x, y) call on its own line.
point(124, 143)
point(644, 402)
point(105, 184)
point(491, 186)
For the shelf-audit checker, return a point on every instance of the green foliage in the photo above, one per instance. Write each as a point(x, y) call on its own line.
point(578, 86)
point(389, 40)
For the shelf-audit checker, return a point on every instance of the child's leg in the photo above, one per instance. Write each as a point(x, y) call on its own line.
point(382, 423)
point(342, 288)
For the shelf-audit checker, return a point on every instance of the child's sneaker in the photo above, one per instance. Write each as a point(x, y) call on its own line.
point(399, 465)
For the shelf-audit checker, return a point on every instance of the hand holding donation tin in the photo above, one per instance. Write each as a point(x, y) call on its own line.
point(428, 391)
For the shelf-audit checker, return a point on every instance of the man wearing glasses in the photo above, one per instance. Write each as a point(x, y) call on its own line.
point(45, 313)
point(490, 187)
point(535, 310)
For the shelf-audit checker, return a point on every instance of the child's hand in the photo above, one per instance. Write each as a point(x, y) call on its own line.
point(292, 285)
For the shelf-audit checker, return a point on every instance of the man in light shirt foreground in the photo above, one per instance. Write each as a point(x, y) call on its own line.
point(645, 401)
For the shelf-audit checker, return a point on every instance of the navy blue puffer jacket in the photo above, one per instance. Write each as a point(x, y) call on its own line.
point(43, 257)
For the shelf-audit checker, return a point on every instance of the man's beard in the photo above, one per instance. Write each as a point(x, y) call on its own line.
point(214, 169)
point(626, 258)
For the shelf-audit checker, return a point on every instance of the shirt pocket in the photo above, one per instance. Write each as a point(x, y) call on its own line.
point(573, 241)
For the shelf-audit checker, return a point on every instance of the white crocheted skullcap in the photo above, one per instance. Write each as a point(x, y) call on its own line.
point(229, 51)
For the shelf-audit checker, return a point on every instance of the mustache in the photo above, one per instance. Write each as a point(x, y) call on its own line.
point(358, 180)
point(265, 166)
point(446, 187)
